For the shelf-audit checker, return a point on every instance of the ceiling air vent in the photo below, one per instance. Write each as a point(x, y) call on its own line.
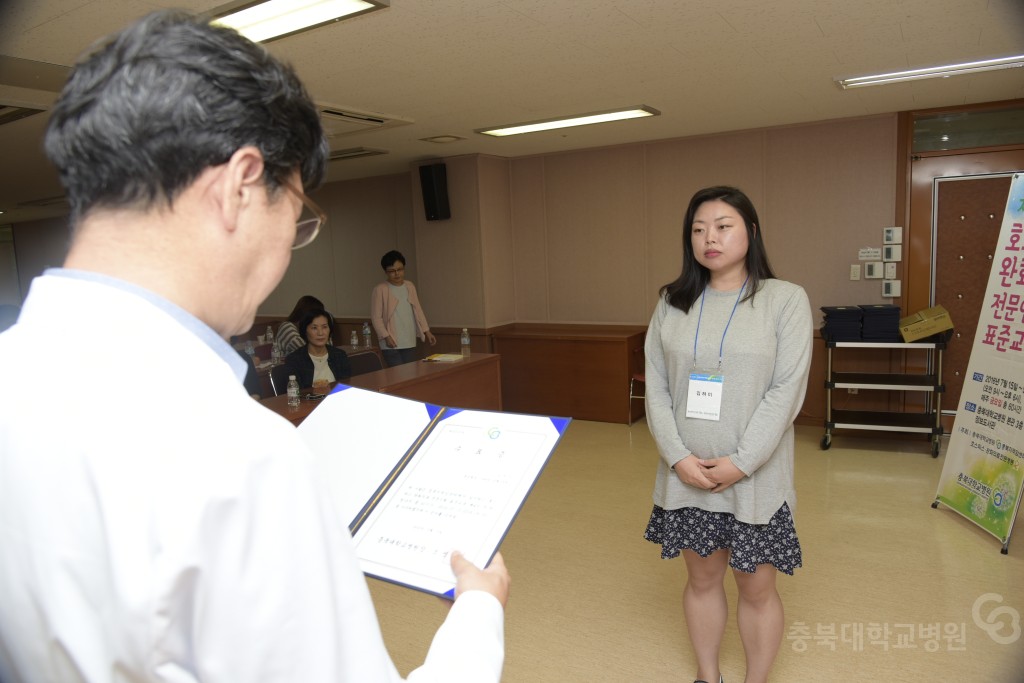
point(339, 121)
point(355, 153)
point(44, 202)
point(12, 114)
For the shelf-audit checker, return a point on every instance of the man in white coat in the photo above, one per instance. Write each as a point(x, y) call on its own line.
point(156, 523)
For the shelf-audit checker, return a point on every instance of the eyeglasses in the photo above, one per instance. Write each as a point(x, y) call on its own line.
point(394, 271)
point(306, 229)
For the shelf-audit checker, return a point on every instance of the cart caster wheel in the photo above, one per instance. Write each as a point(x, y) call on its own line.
point(826, 442)
point(935, 449)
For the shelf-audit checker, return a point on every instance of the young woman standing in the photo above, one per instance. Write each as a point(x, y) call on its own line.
point(728, 352)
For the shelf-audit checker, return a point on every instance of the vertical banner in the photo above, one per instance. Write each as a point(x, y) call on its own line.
point(983, 475)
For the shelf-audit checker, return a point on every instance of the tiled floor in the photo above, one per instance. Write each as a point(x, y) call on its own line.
point(891, 589)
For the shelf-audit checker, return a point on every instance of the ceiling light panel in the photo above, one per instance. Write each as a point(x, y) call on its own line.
point(273, 19)
point(566, 122)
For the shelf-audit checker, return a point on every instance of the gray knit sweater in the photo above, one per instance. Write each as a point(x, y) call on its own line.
point(766, 359)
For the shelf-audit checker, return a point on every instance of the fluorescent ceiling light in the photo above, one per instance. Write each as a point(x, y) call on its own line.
point(579, 120)
point(261, 21)
point(932, 72)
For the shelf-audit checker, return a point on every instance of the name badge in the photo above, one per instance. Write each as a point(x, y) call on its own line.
point(704, 396)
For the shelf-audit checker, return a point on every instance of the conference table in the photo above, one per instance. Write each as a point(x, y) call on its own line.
point(471, 382)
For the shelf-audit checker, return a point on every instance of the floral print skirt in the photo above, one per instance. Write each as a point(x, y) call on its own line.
point(704, 532)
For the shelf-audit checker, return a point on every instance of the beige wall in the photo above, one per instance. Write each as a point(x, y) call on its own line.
point(830, 188)
point(589, 236)
point(599, 231)
point(449, 253)
point(497, 242)
point(588, 215)
point(365, 219)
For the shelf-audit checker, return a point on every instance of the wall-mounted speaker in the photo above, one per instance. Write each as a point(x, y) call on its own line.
point(434, 182)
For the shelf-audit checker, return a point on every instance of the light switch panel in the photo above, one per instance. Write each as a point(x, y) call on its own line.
point(892, 252)
point(890, 270)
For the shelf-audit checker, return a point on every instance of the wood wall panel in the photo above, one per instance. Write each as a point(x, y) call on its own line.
point(579, 371)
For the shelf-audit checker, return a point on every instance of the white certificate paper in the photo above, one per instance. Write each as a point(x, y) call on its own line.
point(416, 481)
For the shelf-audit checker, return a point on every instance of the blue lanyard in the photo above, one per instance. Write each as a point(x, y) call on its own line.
point(721, 346)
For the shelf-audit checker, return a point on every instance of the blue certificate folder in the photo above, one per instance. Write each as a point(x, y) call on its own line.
point(415, 481)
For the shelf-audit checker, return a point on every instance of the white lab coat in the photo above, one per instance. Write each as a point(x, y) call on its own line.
point(157, 524)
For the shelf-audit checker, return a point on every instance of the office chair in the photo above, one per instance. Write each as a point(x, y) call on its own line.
point(638, 377)
point(279, 379)
point(364, 361)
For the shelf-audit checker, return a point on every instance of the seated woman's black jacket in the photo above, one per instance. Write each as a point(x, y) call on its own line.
point(301, 365)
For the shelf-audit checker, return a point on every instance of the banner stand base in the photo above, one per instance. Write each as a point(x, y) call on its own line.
point(1005, 550)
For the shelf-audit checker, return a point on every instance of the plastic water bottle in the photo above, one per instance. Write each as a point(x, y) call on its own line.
point(354, 339)
point(275, 354)
point(250, 350)
point(367, 338)
point(293, 391)
point(464, 340)
point(270, 334)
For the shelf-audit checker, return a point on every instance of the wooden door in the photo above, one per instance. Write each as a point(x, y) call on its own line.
point(918, 254)
point(917, 238)
point(968, 216)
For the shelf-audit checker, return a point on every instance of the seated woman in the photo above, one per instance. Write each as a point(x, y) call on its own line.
point(288, 337)
point(317, 360)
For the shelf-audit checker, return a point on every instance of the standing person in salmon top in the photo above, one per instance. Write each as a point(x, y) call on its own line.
point(156, 523)
point(396, 313)
point(728, 351)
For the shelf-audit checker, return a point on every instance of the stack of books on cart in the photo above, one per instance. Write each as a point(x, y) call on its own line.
point(880, 323)
point(842, 323)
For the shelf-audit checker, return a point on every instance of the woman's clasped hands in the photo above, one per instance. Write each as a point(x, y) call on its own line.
point(713, 474)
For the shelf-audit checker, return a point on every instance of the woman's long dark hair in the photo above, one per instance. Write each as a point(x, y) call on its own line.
point(687, 288)
point(305, 303)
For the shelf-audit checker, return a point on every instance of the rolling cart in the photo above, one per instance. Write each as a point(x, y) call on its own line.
point(927, 422)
